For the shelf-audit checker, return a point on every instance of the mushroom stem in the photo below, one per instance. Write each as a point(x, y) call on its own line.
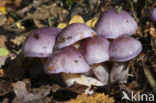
point(70, 79)
point(101, 72)
point(119, 72)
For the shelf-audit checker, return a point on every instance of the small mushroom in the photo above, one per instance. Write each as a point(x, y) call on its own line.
point(153, 14)
point(67, 60)
point(40, 42)
point(124, 48)
point(113, 24)
point(96, 51)
point(73, 33)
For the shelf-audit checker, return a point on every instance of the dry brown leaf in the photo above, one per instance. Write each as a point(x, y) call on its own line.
point(76, 19)
point(152, 32)
point(1, 72)
point(2, 41)
point(4, 2)
point(17, 3)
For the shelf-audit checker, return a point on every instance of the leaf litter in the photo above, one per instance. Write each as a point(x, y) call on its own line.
point(30, 15)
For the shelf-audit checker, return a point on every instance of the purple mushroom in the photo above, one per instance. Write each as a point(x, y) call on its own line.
point(96, 51)
point(67, 60)
point(40, 42)
point(121, 50)
point(73, 33)
point(124, 48)
point(113, 24)
point(153, 14)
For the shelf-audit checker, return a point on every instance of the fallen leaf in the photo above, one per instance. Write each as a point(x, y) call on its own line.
point(1, 72)
point(61, 25)
point(3, 19)
point(3, 10)
point(23, 95)
point(95, 98)
point(3, 52)
point(2, 41)
point(19, 25)
point(92, 22)
point(76, 19)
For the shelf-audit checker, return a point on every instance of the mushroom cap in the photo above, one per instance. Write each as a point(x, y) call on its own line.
point(40, 42)
point(113, 24)
point(67, 60)
point(73, 33)
point(96, 49)
point(153, 14)
point(124, 48)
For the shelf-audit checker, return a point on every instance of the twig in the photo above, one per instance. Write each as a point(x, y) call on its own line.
point(150, 78)
point(26, 18)
point(133, 11)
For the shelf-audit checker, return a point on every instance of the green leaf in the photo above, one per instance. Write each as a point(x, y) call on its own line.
point(69, 3)
point(3, 52)
point(118, 10)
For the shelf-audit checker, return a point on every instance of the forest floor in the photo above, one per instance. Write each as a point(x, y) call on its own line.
point(19, 17)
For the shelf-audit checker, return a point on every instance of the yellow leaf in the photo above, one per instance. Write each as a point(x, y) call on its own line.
point(76, 19)
point(95, 98)
point(3, 10)
point(19, 25)
point(61, 25)
point(92, 22)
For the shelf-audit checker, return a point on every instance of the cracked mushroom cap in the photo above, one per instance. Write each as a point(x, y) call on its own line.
point(124, 48)
point(73, 33)
point(153, 14)
point(113, 24)
point(40, 42)
point(67, 60)
point(96, 49)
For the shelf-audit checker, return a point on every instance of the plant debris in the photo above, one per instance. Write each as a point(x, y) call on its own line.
point(23, 80)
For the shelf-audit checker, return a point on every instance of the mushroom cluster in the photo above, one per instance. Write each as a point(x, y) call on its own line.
point(109, 40)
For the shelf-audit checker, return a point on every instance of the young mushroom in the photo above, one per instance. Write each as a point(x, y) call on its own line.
point(72, 34)
point(40, 42)
point(96, 51)
point(123, 49)
point(153, 14)
point(70, 62)
point(114, 23)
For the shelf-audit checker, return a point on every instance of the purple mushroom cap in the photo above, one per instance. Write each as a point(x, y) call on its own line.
point(40, 42)
point(67, 60)
point(96, 49)
point(124, 48)
point(153, 14)
point(113, 24)
point(73, 33)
